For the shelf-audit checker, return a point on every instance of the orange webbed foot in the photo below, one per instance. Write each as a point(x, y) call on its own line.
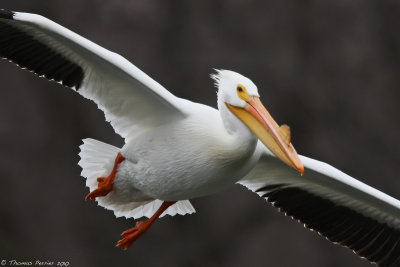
point(132, 234)
point(105, 184)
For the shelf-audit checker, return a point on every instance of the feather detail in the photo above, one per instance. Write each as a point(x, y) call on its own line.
point(97, 159)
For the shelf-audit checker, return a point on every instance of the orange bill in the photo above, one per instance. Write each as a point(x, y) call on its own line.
point(275, 138)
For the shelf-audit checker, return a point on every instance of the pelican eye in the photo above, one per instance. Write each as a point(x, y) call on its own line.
point(241, 91)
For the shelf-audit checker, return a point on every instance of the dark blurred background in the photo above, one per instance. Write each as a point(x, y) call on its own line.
point(329, 69)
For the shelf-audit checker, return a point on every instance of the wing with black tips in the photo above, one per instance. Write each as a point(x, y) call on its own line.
point(337, 206)
point(130, 99)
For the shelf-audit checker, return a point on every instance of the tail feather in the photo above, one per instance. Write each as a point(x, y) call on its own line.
point(181, 207)
point(97, 159)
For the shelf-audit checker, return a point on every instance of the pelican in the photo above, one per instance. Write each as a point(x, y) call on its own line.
point(176, 150)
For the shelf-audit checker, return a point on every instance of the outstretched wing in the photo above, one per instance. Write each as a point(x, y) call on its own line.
point(130, 99)
point(337, 206)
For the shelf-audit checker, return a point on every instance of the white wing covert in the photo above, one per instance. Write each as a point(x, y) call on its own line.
point(131, 100)
point(337, 206)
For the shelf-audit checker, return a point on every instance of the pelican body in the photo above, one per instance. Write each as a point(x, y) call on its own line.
point(227, 151)
point(194, 168)
point(176, 150)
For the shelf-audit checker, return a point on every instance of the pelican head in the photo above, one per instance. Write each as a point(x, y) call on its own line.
point(240, 95)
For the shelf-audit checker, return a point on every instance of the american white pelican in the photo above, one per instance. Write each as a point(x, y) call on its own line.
point(176, 150)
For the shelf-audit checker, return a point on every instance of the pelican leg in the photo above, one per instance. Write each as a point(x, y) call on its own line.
point(130, 235)
point(105, 184)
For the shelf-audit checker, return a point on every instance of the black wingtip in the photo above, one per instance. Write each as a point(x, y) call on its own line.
point(5, 14)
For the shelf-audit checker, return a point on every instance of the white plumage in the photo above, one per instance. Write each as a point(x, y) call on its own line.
point(176, 150)
point(97, 160)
